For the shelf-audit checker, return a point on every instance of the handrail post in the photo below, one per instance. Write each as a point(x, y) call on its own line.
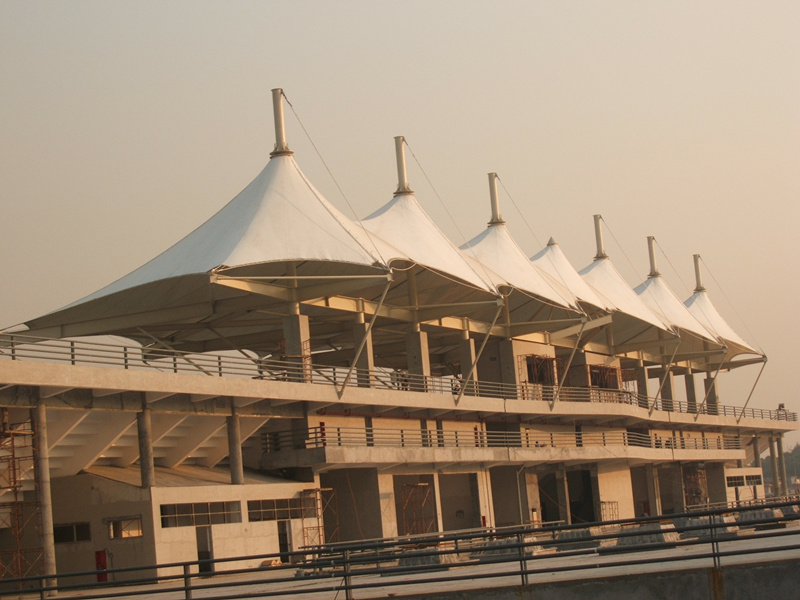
point(348, 593)
point(187, 582)
point(522, 567)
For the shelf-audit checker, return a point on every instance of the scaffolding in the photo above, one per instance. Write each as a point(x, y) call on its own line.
point(21, 552)
point(319, 509)
point(418, 513)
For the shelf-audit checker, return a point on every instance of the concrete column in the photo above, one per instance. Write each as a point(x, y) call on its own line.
point(782, 467)
point(641, 386)
point(388, 505)
point(419, 360)
point(466, 348)
point(366, 360)
point(235, 448)
point(667, 394)
point(653, 490)
point(756, 452)
point(712, 403)
point(774, 464)
point(562, 489)
point(147, 467)
point(45, 496)
point(485, 504)
point(691, 392)
point(297, 337)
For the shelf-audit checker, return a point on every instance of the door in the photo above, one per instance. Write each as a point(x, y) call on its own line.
point(205, 549)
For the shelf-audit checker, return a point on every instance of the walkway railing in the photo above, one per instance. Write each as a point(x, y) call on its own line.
point(246, 364)
point(482, 558)
point(356, 437)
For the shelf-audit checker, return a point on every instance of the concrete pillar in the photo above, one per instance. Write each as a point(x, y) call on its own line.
point(297, 337)
point(562, 489)
point(653, 490)
point(691, 392)
point(466, 348)
point(419, 360)
point(147, 467)
point(756, 452)
point(774, 464)
point(782, 467)
point(388, 505)
point(45, 496)
point(366, 360)
point(235, 448)
point(641, 387)
point(667, 394)
point(712, 403)
point(485, 502)
point(531, 482)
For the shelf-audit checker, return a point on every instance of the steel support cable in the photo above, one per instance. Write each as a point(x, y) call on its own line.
point(488, 279)
point(752, 389)
point(533, 233)
point(171, 349)
point(733, 306)
point(712, 385)
point(566, 369)
point(667, 368)
point(336, 183)
point(362, 345)
point(478, 355)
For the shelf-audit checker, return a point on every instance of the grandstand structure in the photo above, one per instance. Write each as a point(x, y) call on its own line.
point(285, 376)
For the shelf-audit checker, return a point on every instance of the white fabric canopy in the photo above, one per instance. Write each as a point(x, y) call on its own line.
point(552, 261)
point(617, 294)
point(280, 216)
point(659, 298)
point(403, 224)
point(699, 304)
point(495, 248)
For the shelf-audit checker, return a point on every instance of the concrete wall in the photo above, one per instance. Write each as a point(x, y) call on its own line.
point(746, 492)
point(615, 485)
point(176, 544)
point(89, 499)
point(460, 502)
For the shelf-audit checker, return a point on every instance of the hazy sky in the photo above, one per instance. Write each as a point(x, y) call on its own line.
point(124, 125)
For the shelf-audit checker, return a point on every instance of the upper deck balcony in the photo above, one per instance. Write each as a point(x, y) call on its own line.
point(106, 368)
point(333, 446)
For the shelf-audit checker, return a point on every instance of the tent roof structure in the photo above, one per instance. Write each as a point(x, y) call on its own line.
point(404, 224)
point(551, 260)
point(697, 342)
point(701, 307)
point(279, 227)
point(495, 248)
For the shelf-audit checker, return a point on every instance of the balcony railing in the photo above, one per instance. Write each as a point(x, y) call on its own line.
point(361, 437)
point(302, 370)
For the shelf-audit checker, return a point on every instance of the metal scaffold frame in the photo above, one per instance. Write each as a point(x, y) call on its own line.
point(319, 507)
point(21, 552)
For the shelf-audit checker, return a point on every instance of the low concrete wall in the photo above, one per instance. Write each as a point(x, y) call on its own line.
point(741, 582)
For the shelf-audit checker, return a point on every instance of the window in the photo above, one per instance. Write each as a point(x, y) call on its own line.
point(278, 509)
point(125, 528)
point(541, 369)
point(604, 377)
point(200, 513)
point(753, 479)
point(75, 532)
point(735, 481)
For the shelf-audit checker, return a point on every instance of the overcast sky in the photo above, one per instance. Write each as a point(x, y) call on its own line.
point(125, 125)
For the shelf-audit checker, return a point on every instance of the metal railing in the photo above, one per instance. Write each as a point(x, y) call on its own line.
point(301, 370)
point(357, 437)
point(480, 558)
